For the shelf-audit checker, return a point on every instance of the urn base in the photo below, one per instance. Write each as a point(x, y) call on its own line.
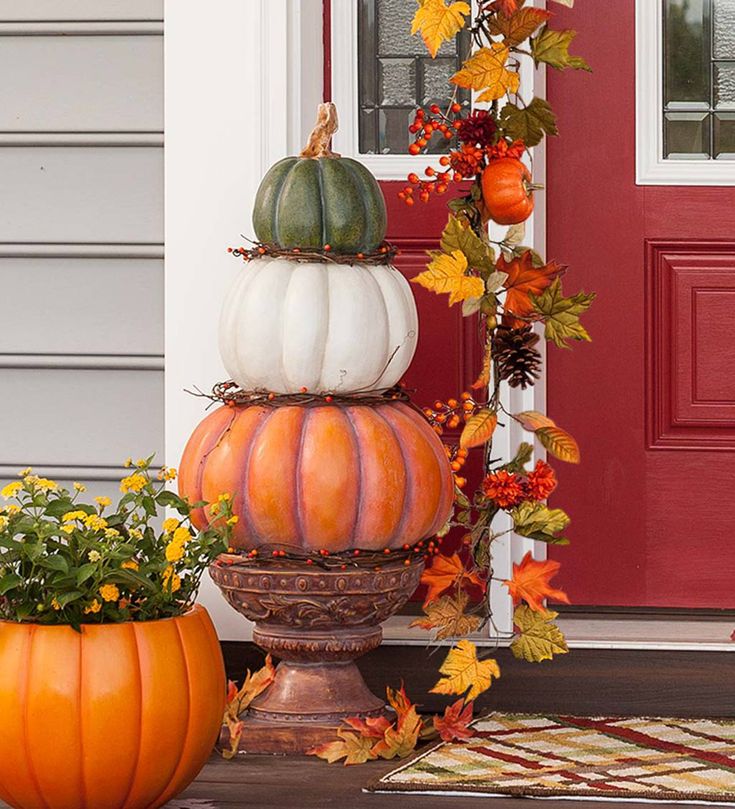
point(317, 622)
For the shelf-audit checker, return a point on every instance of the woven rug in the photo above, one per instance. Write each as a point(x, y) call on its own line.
point(543, 756)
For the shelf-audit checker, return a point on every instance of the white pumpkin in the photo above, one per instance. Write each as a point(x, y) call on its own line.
point(326, 327)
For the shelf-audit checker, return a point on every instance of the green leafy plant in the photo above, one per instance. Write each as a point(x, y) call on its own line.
point(63, 561)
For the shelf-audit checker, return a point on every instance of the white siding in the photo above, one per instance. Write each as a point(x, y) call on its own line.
point(81, 236)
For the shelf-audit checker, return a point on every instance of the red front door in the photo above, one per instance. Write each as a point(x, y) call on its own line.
point(652, 398)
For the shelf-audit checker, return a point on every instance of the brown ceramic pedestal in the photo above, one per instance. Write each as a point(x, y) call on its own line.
point(317, 621)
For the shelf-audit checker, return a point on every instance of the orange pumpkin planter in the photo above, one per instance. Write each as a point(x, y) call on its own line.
point(321, 476)
point(507, 191)
point(118, 716)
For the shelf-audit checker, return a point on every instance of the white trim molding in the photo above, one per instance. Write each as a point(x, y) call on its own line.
point(651, 166)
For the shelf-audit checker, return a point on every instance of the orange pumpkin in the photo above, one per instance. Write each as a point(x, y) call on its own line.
point(117, 716)
point(321, 476)
point(507, 191)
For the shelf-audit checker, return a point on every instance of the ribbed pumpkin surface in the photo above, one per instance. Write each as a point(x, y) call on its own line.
point(325, 476)
point(310, 202)
point(119, 716)
point(292, 324)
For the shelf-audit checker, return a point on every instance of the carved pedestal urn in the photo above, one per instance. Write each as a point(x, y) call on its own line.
point(318, 622)
point(335, 478)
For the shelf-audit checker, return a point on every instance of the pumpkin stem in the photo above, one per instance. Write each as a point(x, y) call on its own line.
point(326, 125)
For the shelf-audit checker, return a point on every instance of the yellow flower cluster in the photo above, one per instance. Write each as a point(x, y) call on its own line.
point(72, 516)
point(175, 548)
point(171, 580)
point(135, 533)
point(133, 483)
point(167, 473)
point(94, 556)
point(170, 524)
point(41, 484)
point(11, 490)
point(4, 522)
point(103, 501)
point(80, 487)
point(109, 592)
point(95, 522)
point(94, 607)
point(11, 510)
point(131, 564)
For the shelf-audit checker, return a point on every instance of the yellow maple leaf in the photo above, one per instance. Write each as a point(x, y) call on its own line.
point(446, 274)
point(485, 72)
point(462, 670)
point(539, 639)
point(438, 22)
point(352, 747)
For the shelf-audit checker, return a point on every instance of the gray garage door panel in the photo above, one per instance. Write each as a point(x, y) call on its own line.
point(81, 84)
point(81, 306)
point(20, 10)
point(79, 417)
point(81, 194)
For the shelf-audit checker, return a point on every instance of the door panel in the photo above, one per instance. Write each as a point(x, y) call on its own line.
point(651, 399)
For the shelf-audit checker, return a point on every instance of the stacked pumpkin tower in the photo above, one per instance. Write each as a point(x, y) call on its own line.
point(336, 479)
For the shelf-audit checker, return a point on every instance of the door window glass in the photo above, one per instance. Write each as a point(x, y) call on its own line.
point(699, 79)
point(396, 75)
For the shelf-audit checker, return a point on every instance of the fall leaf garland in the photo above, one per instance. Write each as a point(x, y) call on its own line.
point(512, 291)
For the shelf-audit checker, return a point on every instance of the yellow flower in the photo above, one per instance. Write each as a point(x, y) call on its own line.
point(224, 498)
point(128, 463)
point(80, 487)
point(135, 533)
point(233, 520)
point(11, 489)
point(4, 522)
point(95, 606)
point(55, 604)
point(70, 516)
point(133, 483)
point(103, 501)
point(131, 564)
point(109, 592)
point(25, 472)
point(12, 510)
point(174, 551)
point(182, 535)
point(141, 463)
point(111, 533)
point(44, 484)
point(169, 474)
point(94, 556)
point(68, 529)
point(95, 522)
point(171, 580)
point(170, 524)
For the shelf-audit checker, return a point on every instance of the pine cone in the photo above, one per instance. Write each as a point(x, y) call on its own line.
point(518, 361)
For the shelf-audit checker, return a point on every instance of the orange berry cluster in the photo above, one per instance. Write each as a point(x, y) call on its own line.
point(424, 127)
point(450, 413)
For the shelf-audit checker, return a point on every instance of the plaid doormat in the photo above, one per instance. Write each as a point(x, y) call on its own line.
point(532, 755)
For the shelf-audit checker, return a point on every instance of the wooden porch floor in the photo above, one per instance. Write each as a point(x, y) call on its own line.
point(265, 782)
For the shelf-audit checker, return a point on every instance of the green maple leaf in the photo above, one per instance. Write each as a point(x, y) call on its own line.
point(529, 124)
point(537, 521)
point(552, 47)
point(539, 638)
point(561, 315)
point(458, 235)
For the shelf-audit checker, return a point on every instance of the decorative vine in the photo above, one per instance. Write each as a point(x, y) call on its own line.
point(510, 289)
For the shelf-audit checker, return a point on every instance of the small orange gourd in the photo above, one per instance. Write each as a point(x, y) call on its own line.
point(117, 716)
point(507, 191)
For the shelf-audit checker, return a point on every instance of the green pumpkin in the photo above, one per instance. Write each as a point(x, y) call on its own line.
point(308, 202)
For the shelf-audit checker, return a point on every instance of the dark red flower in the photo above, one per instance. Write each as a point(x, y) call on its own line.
point(477, 129)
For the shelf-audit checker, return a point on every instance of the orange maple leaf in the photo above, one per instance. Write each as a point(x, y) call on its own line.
point(524, 279)
point(454, 725)
point(446, 572)
point(373, 727)
point(530, 583)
